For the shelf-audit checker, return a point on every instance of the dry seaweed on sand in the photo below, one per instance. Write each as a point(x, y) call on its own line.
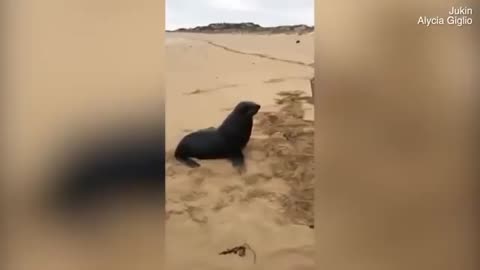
point(287, 97)
point(241, 251)
point(289, 146)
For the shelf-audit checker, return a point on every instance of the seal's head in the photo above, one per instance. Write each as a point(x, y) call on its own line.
point(237, 127)
point(247, 108)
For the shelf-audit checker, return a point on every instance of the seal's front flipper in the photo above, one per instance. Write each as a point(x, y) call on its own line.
point(238, 161)
point(188, 161)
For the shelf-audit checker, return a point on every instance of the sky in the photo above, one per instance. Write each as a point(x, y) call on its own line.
point(190, 13)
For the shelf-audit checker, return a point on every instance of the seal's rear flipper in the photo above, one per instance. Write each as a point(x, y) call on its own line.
point(238, 161)
point(188, 161)
point(183, 156)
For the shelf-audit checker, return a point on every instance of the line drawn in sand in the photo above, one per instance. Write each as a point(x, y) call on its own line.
point(206, 90)
point(279, 80)
point(300, 63)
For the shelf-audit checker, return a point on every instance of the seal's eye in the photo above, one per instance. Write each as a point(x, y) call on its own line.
point(245, 110)
point(242, 109)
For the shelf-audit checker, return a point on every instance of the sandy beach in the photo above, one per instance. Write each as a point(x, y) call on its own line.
point(213, 208)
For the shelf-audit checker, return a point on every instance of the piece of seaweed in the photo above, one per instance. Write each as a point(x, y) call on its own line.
point(240, 251)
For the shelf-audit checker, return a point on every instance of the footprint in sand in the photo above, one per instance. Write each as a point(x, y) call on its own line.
point(197, 214)
point(257, 155)
point(193, 196)
point(256, 178)
point(199, 172)
point(230, 189)
point(261, 194)
point(219, 205)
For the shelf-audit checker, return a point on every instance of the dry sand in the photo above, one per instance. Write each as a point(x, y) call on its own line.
point(213, 208)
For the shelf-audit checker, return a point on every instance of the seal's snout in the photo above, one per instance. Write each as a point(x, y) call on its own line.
point(255, 108)
point(247, 108)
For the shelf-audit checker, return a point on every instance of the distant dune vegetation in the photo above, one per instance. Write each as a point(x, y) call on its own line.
point(248, 27)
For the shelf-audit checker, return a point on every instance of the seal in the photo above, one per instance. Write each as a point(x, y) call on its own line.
point(225, 142)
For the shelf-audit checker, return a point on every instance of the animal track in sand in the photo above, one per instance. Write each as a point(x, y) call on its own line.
point(198, 181)
point(260, 194)
point(174, 212)
point(250, 180)
point(193, 196)
point(219, 205)
point(199, 172)
point(196, 214)
point(230, 189)
point(253, 179)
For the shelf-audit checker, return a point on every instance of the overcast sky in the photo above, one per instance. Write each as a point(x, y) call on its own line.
point(188, 13)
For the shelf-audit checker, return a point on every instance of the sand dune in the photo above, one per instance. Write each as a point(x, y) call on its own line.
point(213, 208)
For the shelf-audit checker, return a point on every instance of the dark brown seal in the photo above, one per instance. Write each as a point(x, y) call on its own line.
point(225, 142)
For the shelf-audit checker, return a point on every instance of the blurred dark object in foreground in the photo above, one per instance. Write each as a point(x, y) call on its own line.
point(125, 167)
